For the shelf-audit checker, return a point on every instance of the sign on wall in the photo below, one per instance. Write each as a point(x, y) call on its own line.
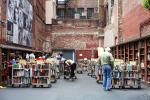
point(19, 22)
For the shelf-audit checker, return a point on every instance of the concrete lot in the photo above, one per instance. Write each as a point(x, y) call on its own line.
point(84, 88)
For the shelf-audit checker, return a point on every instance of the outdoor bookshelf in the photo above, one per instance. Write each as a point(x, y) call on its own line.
point(139, 51)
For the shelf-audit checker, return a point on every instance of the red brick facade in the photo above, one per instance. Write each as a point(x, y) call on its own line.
point(83, 3)
point(132, 20)
point(76, 34)
point(78, 42)
point(38, 23)
point(81, 54)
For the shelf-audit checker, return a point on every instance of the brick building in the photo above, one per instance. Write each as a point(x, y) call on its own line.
point(79, 25)
point(133, 35)
point(141, 15)
point(37, 24)
point(112, 18)
point(22, 30)
point(119, 16)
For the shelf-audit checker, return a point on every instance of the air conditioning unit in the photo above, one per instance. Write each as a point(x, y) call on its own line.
point(77, 16)
point(84, 15)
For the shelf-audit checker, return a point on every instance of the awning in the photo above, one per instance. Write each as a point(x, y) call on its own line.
point(17, 48)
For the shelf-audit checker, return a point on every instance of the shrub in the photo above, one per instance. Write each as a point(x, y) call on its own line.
point(147, 4)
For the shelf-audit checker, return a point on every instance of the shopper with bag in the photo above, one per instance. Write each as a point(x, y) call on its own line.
point(106, 60)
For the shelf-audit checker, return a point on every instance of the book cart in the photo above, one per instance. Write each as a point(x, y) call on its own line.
point(53, 69)
point(126, 75)
point(41, 75)
point(79, 66)
point(20, 75)
point(95, 71)
point(99, 75)
point(92, 71)
point(53, 73)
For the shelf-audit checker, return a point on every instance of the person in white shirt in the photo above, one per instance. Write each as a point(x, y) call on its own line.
point(32, 56)
point(27, 57)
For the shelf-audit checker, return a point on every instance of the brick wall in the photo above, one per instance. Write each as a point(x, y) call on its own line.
point(81, 54)
point(76, 34)
point(3, 4)
point(128, 5)
point(131, 22)
point(38, 23)
point(83, 3)
point(77, 42)
point(145, 28)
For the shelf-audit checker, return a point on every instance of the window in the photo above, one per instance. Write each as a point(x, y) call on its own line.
point(80, 11)
point(71, 12)
point(112, 3)
point(61, 1)
point(60, 13)
point(90, 12)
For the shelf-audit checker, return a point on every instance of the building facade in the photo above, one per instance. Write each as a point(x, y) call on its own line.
point(121, 26)
point(111, 30)
point(141, 16)
point(79, 25)
point(22, 30)
point(133, 35)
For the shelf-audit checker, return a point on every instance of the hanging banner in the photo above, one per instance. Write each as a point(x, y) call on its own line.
point(19, 22)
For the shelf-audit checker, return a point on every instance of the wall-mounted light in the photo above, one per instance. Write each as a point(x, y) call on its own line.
point(80, 54)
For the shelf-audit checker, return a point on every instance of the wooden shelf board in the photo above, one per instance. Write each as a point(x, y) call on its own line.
point(141, 54)
point(17, 76)
point(18, 68)
point(41, 76)
point(39, 84)
point(17, 83)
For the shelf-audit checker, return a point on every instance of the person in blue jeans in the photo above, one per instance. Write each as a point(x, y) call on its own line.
point(106, 60)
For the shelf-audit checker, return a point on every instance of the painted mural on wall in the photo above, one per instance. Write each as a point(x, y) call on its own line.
point(19, 22)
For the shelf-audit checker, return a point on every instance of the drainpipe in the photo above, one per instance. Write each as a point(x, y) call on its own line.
point(98, 6)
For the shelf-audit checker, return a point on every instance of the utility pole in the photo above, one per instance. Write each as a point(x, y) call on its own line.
point(1, 41)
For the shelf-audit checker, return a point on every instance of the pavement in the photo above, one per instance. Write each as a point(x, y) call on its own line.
point(84, 88)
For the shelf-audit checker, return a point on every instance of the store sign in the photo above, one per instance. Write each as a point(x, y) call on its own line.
point(19, 22)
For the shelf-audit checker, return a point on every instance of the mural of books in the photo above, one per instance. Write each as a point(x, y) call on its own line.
point(19, 22)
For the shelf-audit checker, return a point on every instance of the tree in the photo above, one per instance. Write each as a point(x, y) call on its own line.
point(147, 4)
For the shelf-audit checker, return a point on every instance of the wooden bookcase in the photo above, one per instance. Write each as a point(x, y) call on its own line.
point(127, 53)
point(121, 52)
point(138, 50)
point(135, 51)
point(148, 62)
point(131, 52)
point(142, 58)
